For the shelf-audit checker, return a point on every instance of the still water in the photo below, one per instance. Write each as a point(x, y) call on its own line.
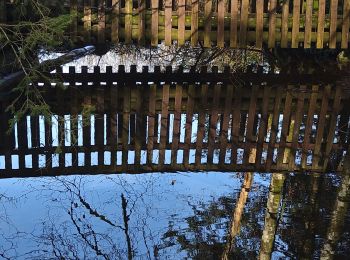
point(185, 215)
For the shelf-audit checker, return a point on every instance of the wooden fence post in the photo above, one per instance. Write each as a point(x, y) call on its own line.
point(155, 22)
point(128, 21)
point(115, 21)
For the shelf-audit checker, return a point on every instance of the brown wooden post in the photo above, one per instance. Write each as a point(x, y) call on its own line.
point(86, 121)
point(213, 123)
point(243, 27)
point(236, 118)
point(221, 24)
point(155, 22)
point(168, 21)
point(296, 23)
point(142, 22)
point(126, 123)
point(207, 23)
point(115, 21)
point(176, 125)
point(225, 124)
point(234, 23)
point(128, 20)
point(308, 125)
point(164, 125)
point(259, 30)
point(321, 127)
point(188, 127)
point(99, 123)
point(139, 124)
point(151, 119)
point(181, 22)
point(284, 29)
point(308, 24)
point(194, 23)
point(285, 126)
point(333, 25)
point(272, 23)
point(274, 128)
point(262, 126)
point(299, 114)
point(346, 25)
point(250, 125)
point(201, 123)
point(321, 23)
point(101, 22)
point(113, 124)
point(332, 125)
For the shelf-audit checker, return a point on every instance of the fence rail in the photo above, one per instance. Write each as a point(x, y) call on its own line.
point(231, 23)
point(161, 125)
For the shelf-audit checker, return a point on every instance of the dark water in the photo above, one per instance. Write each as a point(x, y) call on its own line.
point(208, 215)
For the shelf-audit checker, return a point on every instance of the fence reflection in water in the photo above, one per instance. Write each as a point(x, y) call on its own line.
point(180, 121)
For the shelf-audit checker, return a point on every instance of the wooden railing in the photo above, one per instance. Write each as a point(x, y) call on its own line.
point(175, 120)
point(232, 23)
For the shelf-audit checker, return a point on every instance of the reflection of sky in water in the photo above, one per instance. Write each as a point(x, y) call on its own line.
point(38, 208)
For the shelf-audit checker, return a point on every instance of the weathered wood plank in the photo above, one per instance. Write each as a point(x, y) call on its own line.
point(332, 126)
point(168, 22)
point(207, 23)
point(236, 113)
point(234, 23)
point(176, 126)
point(155, 22)
point(142, 22)
point(243, 26)
point(299, 114)
point(214, 115)
point(346, 25)
point(181, 22)
point(151, 120)
point(333, 24)
point(259, 23)
point(296, 23)
point(201, 124)
point(284, 30)
point(308, 24)
point(128, 20)
point(320, 24)
point(308, 125)
point(221, 25)
point(262, 126)
point(274, 128)
point(164, 125)
point(272, 23)
point(188, 126)
point(285, 126)
point(225, 124)
point(194, 22)
point(321, 126)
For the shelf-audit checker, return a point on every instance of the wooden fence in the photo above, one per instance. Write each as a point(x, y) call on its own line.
point(231, 23)
point(178, 121)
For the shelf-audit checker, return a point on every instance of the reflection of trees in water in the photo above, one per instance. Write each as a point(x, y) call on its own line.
point(123, 223)
point(222, 229)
